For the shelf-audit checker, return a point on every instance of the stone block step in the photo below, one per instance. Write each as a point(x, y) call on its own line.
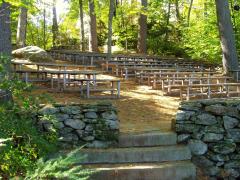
point(157, 171)
point(154, 138)
point(135, 155)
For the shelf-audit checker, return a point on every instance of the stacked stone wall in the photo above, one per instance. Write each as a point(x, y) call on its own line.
point(211, 129)
point(93, 125)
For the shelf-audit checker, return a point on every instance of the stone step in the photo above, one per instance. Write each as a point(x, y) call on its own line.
point(135, 155)
point(154, 138)
point(157, 171)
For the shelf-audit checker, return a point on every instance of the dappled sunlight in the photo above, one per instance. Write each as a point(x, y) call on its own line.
point(139, 109)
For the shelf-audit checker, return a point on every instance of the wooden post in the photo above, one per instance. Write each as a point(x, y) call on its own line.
point(88, 89)
point(118, 89)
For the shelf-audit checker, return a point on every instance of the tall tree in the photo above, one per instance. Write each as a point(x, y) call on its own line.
point(54, 24)
point(178, 15)
point(229, 52)
point(189, 12)
point(142, 35)
point(93, 41)
point(5, 47)
point(5, 29)
point(82, 35)
point(110, 18)
point(22, 27)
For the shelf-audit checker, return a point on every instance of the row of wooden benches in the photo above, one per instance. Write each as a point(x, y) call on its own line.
point(88, 85)
point(187, 84)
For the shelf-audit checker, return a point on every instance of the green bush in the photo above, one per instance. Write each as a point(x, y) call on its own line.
point(17, 121)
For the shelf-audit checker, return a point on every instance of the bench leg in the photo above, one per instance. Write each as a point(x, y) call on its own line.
point(88, 89)
point(209, 92)
point(188, 94)
point(118, 89)
point(81, 88)
point(51, 81)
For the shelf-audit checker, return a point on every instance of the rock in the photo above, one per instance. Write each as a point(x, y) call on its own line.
point(91, 115)
point(230, 122)
point(89, 128)
point(65, 130)
point(62, 117)
point(198, 135)
point(214, 129)
point(220, 163)
point(48, 110)
point(67, 138)
point(78, 116)
point(92, 121)
point(109, 115)
point(216, 109)
point(224, 147)
point(235, 156)
point(80, 133)
point(66, 110)
point(219, 157)
point(233, 112)
point(206, 119)
point(233, 173)
point(98, 144)
point(32, 53)
point(211, 171)
point(184, 115)
point(75, 124)
point(58, 125)
point(48, 127)
point(234, 134)
point(112, 124)
point(202, 161)
point(187, 128)
point(75, 110)
point(212, 137)
point(197, 147)
point(232, 164)
point(190, 106)
point(88, 138)
point(183, 138)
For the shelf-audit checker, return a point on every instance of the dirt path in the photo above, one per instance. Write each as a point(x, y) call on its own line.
point(139, 109)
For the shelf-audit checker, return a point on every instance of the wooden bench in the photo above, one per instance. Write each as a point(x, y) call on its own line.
point(168, 81)
point(89, 86)
point(158, 77)
point(210, 89)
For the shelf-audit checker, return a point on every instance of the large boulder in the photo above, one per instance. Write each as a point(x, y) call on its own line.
point(32, 53)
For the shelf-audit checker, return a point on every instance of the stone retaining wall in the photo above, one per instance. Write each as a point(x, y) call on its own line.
point(95, 125)
point(211, 129)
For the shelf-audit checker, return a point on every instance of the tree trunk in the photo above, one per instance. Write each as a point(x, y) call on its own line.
point(82, 35)
point(178, 16)
point(93, 42)
point(44, 27)
point(54, 25)
point(22, 28)
point(5, 30)
point(229, 52)
point(110, 18)
point(142, 35)
point(168, 19)
point(5, 47)
point(189, 13)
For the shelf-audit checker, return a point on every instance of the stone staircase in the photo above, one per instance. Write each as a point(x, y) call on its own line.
point(145, 156)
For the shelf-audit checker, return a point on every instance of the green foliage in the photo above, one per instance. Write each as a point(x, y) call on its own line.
point(17, 121)
point(62, 167)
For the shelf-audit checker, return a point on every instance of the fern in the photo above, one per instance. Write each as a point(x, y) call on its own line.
point(62, 167)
